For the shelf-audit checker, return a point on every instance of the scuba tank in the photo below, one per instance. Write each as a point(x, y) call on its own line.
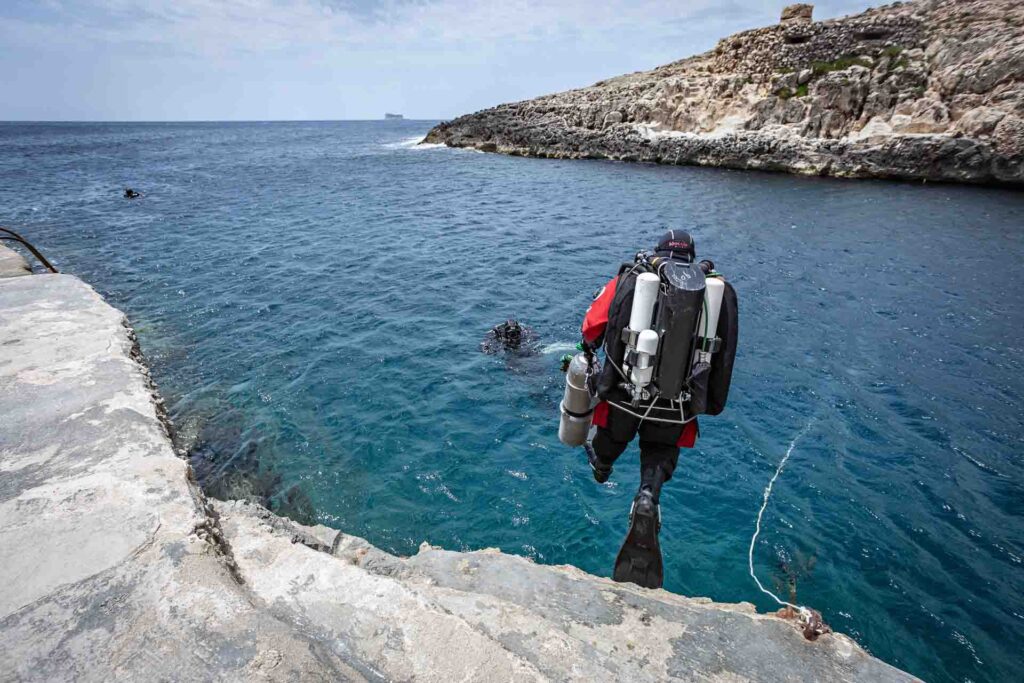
point(679, 306)
point(722, 338)
point(707, 326)
point(646, 351)
point(678, 348)
point(707, 343)
point(577, 402)
point(641, 340)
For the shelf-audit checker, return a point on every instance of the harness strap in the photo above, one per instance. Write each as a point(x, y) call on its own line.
point(681, 420)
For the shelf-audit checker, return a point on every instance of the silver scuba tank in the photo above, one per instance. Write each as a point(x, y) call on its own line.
point(577, 403)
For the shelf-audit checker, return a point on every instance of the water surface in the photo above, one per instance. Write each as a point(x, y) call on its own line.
point(311, 297)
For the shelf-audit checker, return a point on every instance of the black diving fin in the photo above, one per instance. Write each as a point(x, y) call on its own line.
point(639, 559)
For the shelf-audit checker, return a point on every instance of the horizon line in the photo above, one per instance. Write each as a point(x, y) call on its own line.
point(3, 121)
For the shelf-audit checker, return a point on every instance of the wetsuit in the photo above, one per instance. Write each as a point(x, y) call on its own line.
point(659, 441)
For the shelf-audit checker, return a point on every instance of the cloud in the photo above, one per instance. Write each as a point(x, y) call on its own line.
point(242, 27)
point(173, 59)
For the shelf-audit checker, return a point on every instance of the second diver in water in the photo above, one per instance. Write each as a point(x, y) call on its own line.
point(511, 336)
point(668, 327)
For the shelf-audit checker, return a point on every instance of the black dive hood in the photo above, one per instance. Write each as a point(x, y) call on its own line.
point(676, 244)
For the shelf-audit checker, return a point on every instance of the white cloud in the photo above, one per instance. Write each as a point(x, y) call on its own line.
point(256, 26)
point(174, 59)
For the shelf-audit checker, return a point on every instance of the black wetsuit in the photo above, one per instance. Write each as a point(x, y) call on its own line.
point(659, 450)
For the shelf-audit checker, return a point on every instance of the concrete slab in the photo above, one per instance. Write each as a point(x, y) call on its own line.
point(109, 567)
point(513, 619)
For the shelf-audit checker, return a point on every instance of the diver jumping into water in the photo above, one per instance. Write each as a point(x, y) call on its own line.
point(668, 327)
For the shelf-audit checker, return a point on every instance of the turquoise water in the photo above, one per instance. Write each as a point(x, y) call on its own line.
point(311, 297)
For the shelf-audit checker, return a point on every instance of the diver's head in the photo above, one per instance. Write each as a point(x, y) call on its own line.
point(676, 244)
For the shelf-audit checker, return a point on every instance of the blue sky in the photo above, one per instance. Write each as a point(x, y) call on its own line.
point(337, 59)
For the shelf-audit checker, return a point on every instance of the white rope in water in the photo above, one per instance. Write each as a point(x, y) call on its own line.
point(760, 514)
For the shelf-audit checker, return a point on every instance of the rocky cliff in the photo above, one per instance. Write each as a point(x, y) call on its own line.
point(117, 567)
point(932, 89)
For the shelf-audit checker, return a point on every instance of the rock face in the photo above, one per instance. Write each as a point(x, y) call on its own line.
point(932, 89)
point(116, 567)
point(799, 13)
point(12, 264)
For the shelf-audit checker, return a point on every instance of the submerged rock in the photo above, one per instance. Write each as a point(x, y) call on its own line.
point(932, 89)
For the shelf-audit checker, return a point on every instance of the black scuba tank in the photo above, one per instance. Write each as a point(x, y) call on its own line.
point(678, 309)
point(720, 376)
point(676, 320)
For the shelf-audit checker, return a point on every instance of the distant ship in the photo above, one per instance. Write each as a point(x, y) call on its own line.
point(393, 116)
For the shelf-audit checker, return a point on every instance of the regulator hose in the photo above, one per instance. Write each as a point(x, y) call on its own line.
point(11, 236)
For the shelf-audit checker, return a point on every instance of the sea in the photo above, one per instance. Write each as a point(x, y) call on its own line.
point(312, 298)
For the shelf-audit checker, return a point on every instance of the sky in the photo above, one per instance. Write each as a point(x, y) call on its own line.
point(179, 60)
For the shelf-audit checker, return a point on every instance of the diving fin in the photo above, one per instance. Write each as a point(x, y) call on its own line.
point(639, 559)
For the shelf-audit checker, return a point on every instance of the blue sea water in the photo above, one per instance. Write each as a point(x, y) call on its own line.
point(312, 296)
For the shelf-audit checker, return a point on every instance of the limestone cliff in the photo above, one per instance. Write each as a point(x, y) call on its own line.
point(117, 567)
point(932, 89)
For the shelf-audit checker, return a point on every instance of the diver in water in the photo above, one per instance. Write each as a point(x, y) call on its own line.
point(510, 335)
point(129, 193)
point(668, 329)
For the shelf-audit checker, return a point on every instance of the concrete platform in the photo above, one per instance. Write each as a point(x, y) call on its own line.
point(114, 566)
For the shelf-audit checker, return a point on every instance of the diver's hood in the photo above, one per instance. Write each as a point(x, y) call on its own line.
point(676, 244)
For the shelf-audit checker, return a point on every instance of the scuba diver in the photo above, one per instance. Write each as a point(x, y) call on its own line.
point(668, 327)
point(510, 335)
point(129, 193)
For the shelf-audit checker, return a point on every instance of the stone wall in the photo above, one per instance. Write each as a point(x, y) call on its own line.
point(799, 45)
